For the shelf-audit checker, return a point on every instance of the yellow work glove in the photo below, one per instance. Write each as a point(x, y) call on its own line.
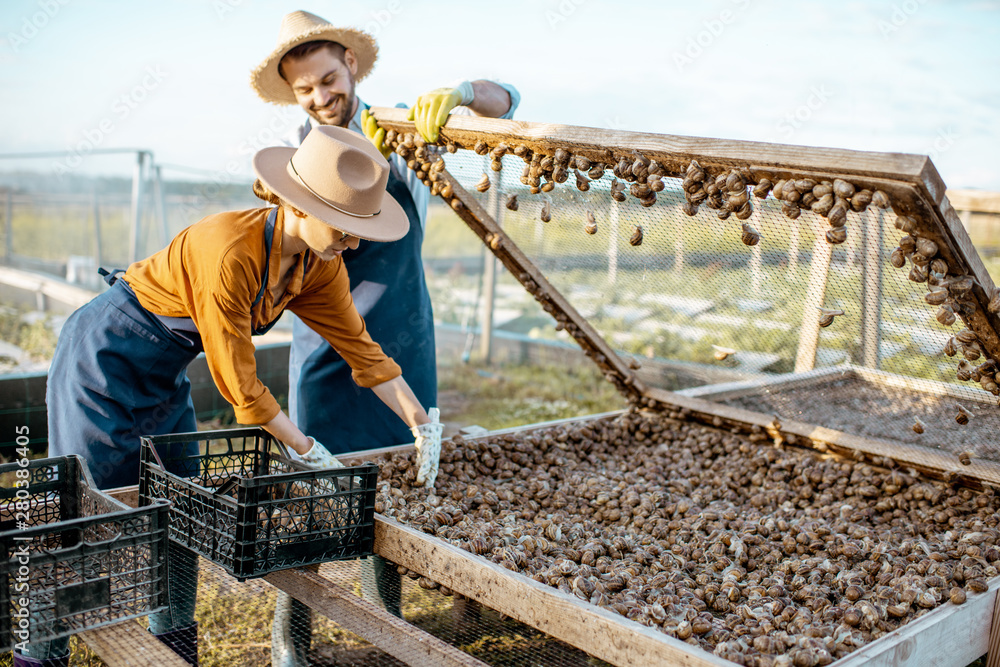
point(432, 109)
point(375, 134)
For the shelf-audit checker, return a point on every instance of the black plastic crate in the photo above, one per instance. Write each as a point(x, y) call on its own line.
point(244, 504)
point(80, 558)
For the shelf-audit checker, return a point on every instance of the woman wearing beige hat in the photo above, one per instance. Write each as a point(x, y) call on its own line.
point(119, 367)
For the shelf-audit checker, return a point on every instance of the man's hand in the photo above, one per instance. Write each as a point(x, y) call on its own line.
point(428, 446)
point(432, 109)
point(375, 134)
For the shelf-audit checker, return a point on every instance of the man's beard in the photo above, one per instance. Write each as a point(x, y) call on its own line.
point(344, 106)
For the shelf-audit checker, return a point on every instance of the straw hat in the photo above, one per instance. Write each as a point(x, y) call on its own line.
point(338, 176)
point(298, 28)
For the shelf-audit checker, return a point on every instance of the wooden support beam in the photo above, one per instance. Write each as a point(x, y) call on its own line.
point(993, 656)
point(975, 201)
point(128, 644)
point(819, 268)
point(601, 633)
point(386, 631)
point(949, 635)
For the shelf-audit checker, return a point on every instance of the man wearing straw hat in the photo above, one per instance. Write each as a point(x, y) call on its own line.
point(317, 65)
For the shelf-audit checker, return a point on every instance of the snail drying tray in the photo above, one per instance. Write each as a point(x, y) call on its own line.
point(784, 264)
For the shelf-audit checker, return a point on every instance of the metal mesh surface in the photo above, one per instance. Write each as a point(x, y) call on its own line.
point(694, 293)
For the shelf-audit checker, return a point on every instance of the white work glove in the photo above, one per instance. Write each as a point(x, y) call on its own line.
point(428, 446)
point(319, 458)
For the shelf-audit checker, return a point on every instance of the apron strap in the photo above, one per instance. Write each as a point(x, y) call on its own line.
point(268, 240)
point(110, 277)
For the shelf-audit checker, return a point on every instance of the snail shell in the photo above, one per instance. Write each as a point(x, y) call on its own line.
point(750, 235)
point(939, 267)
point(808, 199)
point(500, 150)
point(648, 200)
point(636, 238)
point(738, 199)
point(823, 205)
point(918, 426)
point(456, 204)
point(836, 235)
point(561, 156)
point(548, 186)
point(906, 224)
point(790, 194)
point(546, 163)
point(918, 273)
point(724, 213)
point(591, 226)
point(779, 189)
point(945, 314)
point(994, 304)
point(735, 182)
point(582, 184)
point(511, 203)
point(837, 217)
point(722, 353)
point(861, 200)
point(805, 185)
point(936, 296)
point(823, 189)
point(640, 190)
point(695, 172)
point(926, 247)
point(745, 211)
point(791, 210)
point(484, 183)
point(949, 347)
point(496, 165)
point(957, 595)
point(963, 372)
point(977, 585)
point(842, 188)
point(908, 244)
point(582, 163)
point(482, 148)
point(963, 418)
point(880, 199)
point(656, 183)
point(827, 315)
point(546, 214)
point(966, 337)
point(521, 150)
point(690, 208)
point(897, 258)
point(446, 191)
point(761, 189)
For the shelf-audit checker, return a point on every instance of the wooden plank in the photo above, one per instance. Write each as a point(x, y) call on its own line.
point(386, 631)
point(924, 386)
point(976, 201)
point(128, 644)
point(601, 633)
point(784, 382)
point(993, 657)
point(819, 269)
point(925, 460)
point(676, 152)
point(871, 288)
point(949, 635)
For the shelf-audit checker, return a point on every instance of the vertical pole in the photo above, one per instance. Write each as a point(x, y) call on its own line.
point(793, 250)
point(819, 268)
point(613, 244)
point(489, 280)
point(871, 288)
point(133, 245)
point(755, 255)
point(161, 209)
point(98, 250)
point(8, 221)
point(678, 227)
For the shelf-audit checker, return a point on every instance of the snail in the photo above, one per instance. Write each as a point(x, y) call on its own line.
point(511, 203)
point(762, 188)
point(750, 235)
point(842, 188)
point(918, 426)
point(582, 184)
point(966, 337)
point(521, 151)
point(695, 172)
point(926, 247)
point(581, 163)
point(724, 213)
point(837, 217)
point(690, 208)
point(500, 150)
point(636, 238)
point(880, 199)
point(655, 183)
point(897, 258)
point(546, 213)
point(721, 353)
point(949, 347)
point(918, 273)
point(548, 186)
point(861, 200)
point(963, 416)
point(804, 185)
point(791, 210)
point(936, 297)
point(945, 314)
point(823, 205)
point(617, 190)
point(957, 595)
point(836, 235)
point(905, 224)
point(648, 200)
point(496, 165)
point(744, 212)
point(994, 304)
point(827, 315)
point(822, 189)
point(484, 183)
point(482, 148)
point(591, 226)
point(596, 171)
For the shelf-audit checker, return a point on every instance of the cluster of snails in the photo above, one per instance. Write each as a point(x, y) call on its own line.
point(763, 555)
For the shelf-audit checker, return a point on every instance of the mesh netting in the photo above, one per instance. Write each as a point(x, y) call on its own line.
point(692, 292)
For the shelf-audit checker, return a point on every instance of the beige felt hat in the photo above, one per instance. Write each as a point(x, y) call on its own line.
point(298, 28)
point(338, 176)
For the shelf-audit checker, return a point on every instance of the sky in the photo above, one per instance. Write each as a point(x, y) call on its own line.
point(906, 76)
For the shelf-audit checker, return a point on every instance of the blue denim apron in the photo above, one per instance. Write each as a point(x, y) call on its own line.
point(120, 372)
point(323, 399)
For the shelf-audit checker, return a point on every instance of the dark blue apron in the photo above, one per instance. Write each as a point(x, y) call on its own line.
point(323, 399)
point(120, 372)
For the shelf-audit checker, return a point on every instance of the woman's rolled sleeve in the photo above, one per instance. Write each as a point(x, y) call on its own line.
point(374, 375)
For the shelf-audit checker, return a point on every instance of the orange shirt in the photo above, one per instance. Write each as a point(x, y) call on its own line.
point(212, 272)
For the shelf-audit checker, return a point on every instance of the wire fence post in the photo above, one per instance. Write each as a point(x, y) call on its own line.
point(489, 286)
point(133, 255)
point(871, 289)
point(161, 209)
point(8, 222)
